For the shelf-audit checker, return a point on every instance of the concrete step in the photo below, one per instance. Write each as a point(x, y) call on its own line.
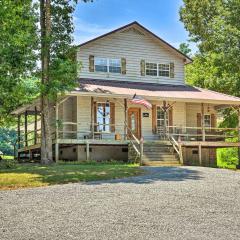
point(158, 163)
point(158, 151)
point(157, 143)
point(159, 158)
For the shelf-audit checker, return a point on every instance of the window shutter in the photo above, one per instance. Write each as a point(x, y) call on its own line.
point(142, 66)
point(91, 63)
point(199, 122)
point(213, 121)
point(172, 70)
point(112, 116)
point(154, 119)
point(123, 65)
point(95, 115)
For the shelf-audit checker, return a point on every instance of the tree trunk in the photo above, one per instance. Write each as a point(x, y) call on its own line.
point(46, 105)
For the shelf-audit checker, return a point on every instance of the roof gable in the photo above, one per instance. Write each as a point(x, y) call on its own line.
point(139, 29)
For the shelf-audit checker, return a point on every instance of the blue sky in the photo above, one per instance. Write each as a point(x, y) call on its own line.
point(102, 16)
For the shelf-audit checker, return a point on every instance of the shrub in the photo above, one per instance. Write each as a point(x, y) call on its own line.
point(8, 163)
point(227, 157)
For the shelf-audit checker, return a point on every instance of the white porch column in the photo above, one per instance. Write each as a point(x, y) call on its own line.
point(202, 122)
point(56, 135)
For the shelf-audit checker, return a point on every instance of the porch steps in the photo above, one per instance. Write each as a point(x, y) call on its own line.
point(159, 153)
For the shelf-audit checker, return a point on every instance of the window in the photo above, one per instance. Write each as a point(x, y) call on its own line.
point(107, 65)
point(151, 69)
point(154, 69)
point(207, 120)
point(160, 118)
point(115, 65)
point(164, 70)
point(101, 65)
point(103, 117)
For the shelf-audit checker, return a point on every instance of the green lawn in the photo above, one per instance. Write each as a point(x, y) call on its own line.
point(35, 175)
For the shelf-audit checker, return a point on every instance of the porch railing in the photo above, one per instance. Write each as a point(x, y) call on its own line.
point(183, 133)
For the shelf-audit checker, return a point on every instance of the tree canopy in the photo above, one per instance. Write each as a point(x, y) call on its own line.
point(18, 45)
point(214, 26)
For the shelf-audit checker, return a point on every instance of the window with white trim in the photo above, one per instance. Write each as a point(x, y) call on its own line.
point(160, 70)
point(164, 70)
point(207, 120)
point(103, 117)
point(107, 65)
point(115, 65)
point(151, 69)
point(160, 118)
point(101, 64)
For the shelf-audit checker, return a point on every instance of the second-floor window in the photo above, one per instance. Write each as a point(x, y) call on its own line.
point(154, 69)
point(107, 65)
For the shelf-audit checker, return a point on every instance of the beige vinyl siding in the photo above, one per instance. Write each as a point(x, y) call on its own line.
point(78, 109)
point(134, 47)
point(83, 115)
point(67, 113)
point(193, 108)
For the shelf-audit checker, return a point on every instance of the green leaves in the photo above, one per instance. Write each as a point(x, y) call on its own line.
point(214, 26)
point(18, 45)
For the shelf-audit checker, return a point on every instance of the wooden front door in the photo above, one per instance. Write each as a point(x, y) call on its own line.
point(134, 121)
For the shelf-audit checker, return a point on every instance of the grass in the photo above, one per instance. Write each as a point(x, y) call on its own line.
point(7, 157)
point(36, 175)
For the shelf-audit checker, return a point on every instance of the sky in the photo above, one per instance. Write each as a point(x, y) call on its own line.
point(159, 16)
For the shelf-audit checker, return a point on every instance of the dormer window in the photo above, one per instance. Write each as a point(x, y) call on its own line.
point(107, 65)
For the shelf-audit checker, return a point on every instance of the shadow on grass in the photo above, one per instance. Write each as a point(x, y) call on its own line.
point(35, 174)
point(31, 175)
point(156, 174)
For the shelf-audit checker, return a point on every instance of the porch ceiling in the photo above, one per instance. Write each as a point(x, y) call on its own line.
point(153, 91)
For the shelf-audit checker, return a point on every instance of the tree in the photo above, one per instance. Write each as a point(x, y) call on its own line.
point(214, 26)
point(184, 48)
point(58, 65)
point(18, 44)
point(21, 41)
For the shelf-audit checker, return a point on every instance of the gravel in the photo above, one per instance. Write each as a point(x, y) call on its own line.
point(166, 203)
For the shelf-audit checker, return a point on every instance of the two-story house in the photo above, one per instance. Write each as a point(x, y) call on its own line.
point(98, 121)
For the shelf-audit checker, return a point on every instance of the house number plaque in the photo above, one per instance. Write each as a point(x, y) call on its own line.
point(145, 114)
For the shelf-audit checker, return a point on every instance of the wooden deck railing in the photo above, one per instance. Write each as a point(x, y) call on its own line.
point(183, 133)
point(121, 132)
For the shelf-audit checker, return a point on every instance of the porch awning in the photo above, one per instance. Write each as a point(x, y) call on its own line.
point(150, 91)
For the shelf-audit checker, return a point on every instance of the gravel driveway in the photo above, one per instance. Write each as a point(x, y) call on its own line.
point(167, 203)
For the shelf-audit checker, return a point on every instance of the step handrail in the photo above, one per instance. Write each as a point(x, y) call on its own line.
point(177, 147)
point(137, 145)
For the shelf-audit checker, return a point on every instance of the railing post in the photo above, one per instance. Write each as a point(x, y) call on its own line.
point(200, 154)
point(141, 150)
point(25, 128)
point(180, 153)
point(87, 151)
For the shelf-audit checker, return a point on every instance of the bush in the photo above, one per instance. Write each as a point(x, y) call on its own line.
point(8, 163)
point(227, 157)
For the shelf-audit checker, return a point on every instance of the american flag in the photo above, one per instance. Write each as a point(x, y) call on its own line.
point(139, 100)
